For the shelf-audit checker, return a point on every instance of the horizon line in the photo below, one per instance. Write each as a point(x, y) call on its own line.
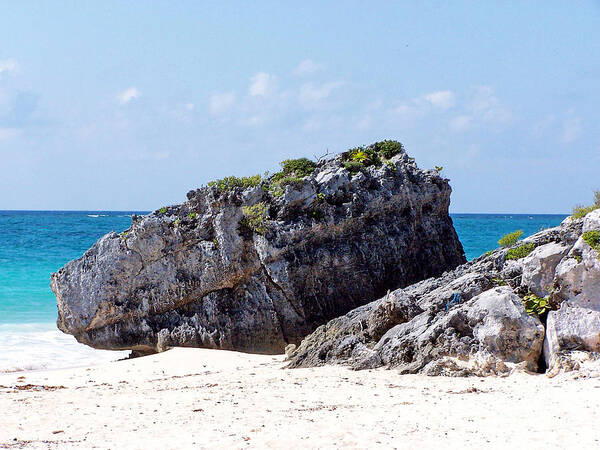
point(149, 211)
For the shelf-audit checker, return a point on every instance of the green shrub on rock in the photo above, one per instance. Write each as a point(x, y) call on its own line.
point(354, 166)
point(388, 149)
point(580, 211)
point(230, 183)
point(536, 305)
point(255, 217)
point(592, 238)
point(520, 252)
point(510, 239)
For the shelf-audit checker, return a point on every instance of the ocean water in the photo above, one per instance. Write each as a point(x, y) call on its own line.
point(33, 244)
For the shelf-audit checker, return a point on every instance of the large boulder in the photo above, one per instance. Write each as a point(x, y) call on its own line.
point(473, 321)
point(259, 266)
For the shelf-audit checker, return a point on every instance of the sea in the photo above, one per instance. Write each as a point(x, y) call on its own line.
point(33, 244)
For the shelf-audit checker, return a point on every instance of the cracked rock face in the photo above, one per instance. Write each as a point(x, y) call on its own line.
point(472, 320)
point(196, 274)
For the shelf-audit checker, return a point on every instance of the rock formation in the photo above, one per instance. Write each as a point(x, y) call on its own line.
point(473, 320)
point(257, 263)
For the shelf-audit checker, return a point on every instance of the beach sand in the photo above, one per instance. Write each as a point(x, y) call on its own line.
point(196, 398)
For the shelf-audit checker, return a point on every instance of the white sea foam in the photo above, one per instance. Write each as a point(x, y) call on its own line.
point(43, 346)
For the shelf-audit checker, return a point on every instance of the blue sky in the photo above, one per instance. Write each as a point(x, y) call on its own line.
point(128, 105)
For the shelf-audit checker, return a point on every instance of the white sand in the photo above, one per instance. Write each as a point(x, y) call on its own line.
point(193, 398)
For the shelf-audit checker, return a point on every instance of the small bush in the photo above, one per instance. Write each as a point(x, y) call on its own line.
point(354, 166)
point(592, 238)
point(192, 216)
point(321, 197)
point(438, 169)
point(536, 305)
point(230, 183)
point(162, 210)
point(520, 252)
point(301, 167)
point(391, 166)
point(510, 239)
point(388, 149)
point(255, 217)
point(580, 211)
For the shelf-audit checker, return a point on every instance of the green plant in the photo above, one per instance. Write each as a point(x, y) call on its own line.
point(301, 167)
point(519, 252)
point(321, 197)
point(510, 239)
point(367, 156)
point(215, 242)
point(438, 168)
point(577, 257)
point(276, 190)
point(592, 238)
point(176, 222)
point(230, 183)
point(489, 252)
point(387, 149)
point(391, 165)
point(580, 211)
point(499, 281)
point(255, 217)
point(192, 216)
point(162, 210)
point(536, 305)
point(354, 166)
point(292, 179)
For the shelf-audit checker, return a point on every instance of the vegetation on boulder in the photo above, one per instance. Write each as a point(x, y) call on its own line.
point(230, 183)
point(535, 305)
point(255, 217)
point(510, 239)
point(592, 238)
point(580, 211)
point(519, 252)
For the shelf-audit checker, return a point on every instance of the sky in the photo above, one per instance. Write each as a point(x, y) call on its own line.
point(129, 105)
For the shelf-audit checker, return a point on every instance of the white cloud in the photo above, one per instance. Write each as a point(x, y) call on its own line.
point(311, 95)
point(441, 99)
point(307, 67)
point(572, 128)
point(7, 66)
point(9, 133)
point(128, 95)
point(262, 85)
point(461, 123)
point(221, 102)
point(488, 107)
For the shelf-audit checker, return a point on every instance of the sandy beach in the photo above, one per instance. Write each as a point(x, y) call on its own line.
point(196, 398)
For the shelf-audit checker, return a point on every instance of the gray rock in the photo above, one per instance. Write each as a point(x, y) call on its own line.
point(195, 275)
point(471, 320)
point(538, 268)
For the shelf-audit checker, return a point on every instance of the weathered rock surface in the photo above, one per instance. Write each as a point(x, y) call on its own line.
point(472, 320)
point(196, 274)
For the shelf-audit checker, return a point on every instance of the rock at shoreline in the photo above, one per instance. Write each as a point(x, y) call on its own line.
point(472, 320)
point(259, 266)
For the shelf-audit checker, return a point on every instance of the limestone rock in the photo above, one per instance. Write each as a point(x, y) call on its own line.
point(471, 320)
point(200, 274)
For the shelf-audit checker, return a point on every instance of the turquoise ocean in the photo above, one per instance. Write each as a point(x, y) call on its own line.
point(33, 244)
